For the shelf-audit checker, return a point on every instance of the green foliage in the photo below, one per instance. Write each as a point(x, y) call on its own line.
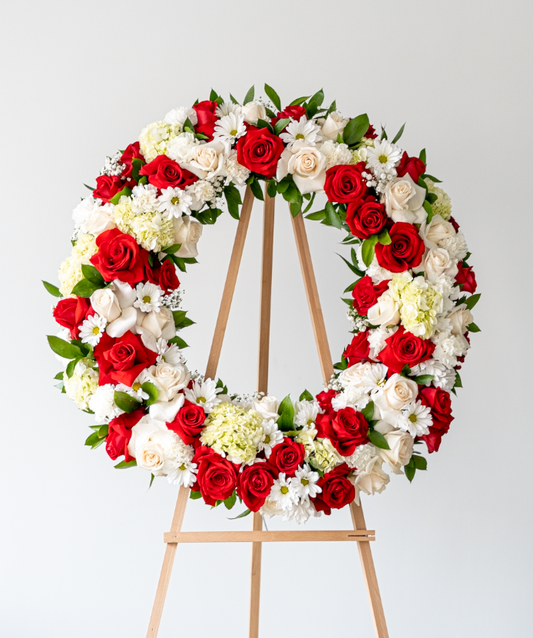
point(64, 348)
point(355, 129)
point(398, 134)
point(377, 439)
point(274, 97)
point(424, 379)
point(368, 249)
point(472, 301)
point(306, 396)
point(368, 411)
point(126, 402)
point(286, 414)
point(126, 192)
point(124, 465)
point(152, 392)
point(230, 501)
point(92, 274)
point(250, 95)
point(53, 290)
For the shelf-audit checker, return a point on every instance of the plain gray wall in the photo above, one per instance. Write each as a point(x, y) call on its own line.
point(80, 543)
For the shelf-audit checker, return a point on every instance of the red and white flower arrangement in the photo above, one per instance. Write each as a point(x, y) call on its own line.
point(119, 307)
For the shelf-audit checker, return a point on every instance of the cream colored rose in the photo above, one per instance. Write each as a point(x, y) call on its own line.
point(122, 324)
point(267, 407)
point(385, 312)
point(160, 324)
point(397, 393)
point(460, 318)
point(436, 263)
point(401, 449)
point(307, 166)
point(125, 294)
point(404, 201)
point(207, 160)
point(355, 375)
point(438, 231)
point(168, 379)
point(99, 219)
point(333, 126)
point(151, 443)
point(187, 232)
point(106, 304)
point(253, 111)
point(374, 479)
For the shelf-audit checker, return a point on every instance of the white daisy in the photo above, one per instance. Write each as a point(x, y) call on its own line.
point(230, 127)
point(375, 378)
point(174, 202)
point(302, 133)
point(148, 297)
point(182, 473)
point(272, 435)
point(415, 419)
point(304, 482)
point(136, 390)
point(383, 157)
point(306, 413)
point(226, 108)
point(92, 328)
point(283, 492)
point(300, 512)
point(204, 393)
point(168, 353)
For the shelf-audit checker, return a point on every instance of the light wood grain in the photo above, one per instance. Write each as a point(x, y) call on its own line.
point(270, 537)
point(229, 287)
point(168, 563)
point(266, 294)
point(255, 580)
point(369, 571)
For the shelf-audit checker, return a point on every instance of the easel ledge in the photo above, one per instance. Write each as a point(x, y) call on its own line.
point(257, 536)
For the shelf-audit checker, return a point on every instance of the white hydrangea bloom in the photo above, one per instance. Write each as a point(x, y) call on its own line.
point(82, 384)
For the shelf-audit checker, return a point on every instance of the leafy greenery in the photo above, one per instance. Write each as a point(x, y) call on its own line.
point(286, 414)
point(53, 290)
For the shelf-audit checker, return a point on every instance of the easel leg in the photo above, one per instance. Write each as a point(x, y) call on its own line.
point(255, 586)
point(168, 562)
point(367, 562)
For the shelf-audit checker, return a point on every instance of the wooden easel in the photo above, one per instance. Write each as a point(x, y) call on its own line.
point(257, 536)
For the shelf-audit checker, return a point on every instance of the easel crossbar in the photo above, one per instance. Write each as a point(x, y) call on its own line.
point(359, 535)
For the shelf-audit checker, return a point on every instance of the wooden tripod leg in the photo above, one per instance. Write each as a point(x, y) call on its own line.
point(168, 562)
point(365, 554)
point(255, 588)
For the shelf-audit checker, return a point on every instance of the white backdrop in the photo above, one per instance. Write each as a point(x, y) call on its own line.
point(80, 543)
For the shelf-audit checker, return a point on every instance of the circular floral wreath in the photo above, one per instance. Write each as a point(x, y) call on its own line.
point(120, 307)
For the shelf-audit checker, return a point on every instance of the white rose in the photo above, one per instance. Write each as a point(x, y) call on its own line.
point(253, 111)
point(374, 479)
point(385, 312)
point(438, 231)
point(397, 393)
point(333, 125)
point(166, 411)
point(160, 324)
point(401, 449)
point(460, 318)
point(99, 219)
point(122, 324)
point(437, 262)
point(168, 379)
point(267, 407)
point(355, 375)
point(404, 201)
point(106, 304)
point(151, 442)
point(207, 160)
point(125, 294)
point(187, 232)
point(307, 165)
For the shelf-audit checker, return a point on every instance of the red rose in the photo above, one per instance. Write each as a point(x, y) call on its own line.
point(346, 429)
point(371, 132)
point(122, 360)
point(189, 423)
point(345, 184)
point(70, 312)
point(295, 111)
point(206, 112)
point(107, 186)
point(119, 435)
point(217, 477)
point(132, 152)
point(439, 402)
point(454, 223)
point(412, 165)
point(365, 294)
point(405, 250)
point(119, 256)
point(404, 348)
point(434, 438)
point(324, 399)
point(466, 278)
point(366, 219)
point(337, 490)
point(254, 485)
point(164, 173)
point(259, 150)
point(358, 349)
point(168, 279)
point(287, 456)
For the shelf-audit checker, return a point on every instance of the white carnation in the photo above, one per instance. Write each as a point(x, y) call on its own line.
point(102, 403)
point(335, 153)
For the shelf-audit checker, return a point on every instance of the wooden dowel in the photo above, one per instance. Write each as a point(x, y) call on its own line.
point(369, 571)
point(255, 581)
point(168, 562)
point(229, 286)
point(266, 293)
point(313, 300)
point(258, 536)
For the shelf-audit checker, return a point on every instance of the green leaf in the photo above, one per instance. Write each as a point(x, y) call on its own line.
point(92, 439)
point(306, 396)
point(353, 268)
point(296, 208)
point(59, 376)
point(250, 95)
point(126, 402)
point(431, 198)
point(368, 249)
point(333, 216)
point(433, 179)
point(429, 210)
point(398, 134)
point(420, 462)
point(91, 274)
point(406, 371)
point(383, 133)
point(318, 216)
point(311, 200)
point(472, 327)
point(274, 97)
point(232, 99)
point(422, 155)
point(257, 190)
point(280, 125)
point(116, 198)
point(318, 97)
point(230, 501)
point(298, 101)
point(178, 341)
point(194, 495)
point(384, 237)
point(368, 411)
point(264, 124)
point(213, 96)
point(355, 129)
point(472, 300)
point(152, 392)
point(89, 187)
point(136, 165)
point(424, 379)
point(242, 515)
point(152, 477)
point(85, 288)
point(410, 470)
point(284, 185)
point(53, 290)
point(286, 414)
point(64, 348)
point(233, 199)
point(71, 367)
point(103, 430)
point(123, 465)
point(171, 250)
point(272, 188)
point(458, 381)
point(377, 439)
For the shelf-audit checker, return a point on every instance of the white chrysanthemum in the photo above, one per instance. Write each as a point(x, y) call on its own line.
point(102, 403)
point(301, 133)
point(375, 378)
point(201, 192)
point(230, 127)
point(168, 353)
point(233, 432)
point(70, 272)
point(351, 397)
point(305, 482)
point(443, 377)
point(92, 329)
point(236, 172)
point(272, 435)
point(419, 303)
point(335, 153)
point(306, 413)
point(174, 202)
point(150, 229)
point(415, 419)
point(443, 205)
point(148, 297)
point(325, 457)
point(283, 492)
point(362, 457)
point(155, 138)
point(204, 393)
point(383, 157)
point(228, 107)
point(82, 384)
point(177, 117)
point(376, 339)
